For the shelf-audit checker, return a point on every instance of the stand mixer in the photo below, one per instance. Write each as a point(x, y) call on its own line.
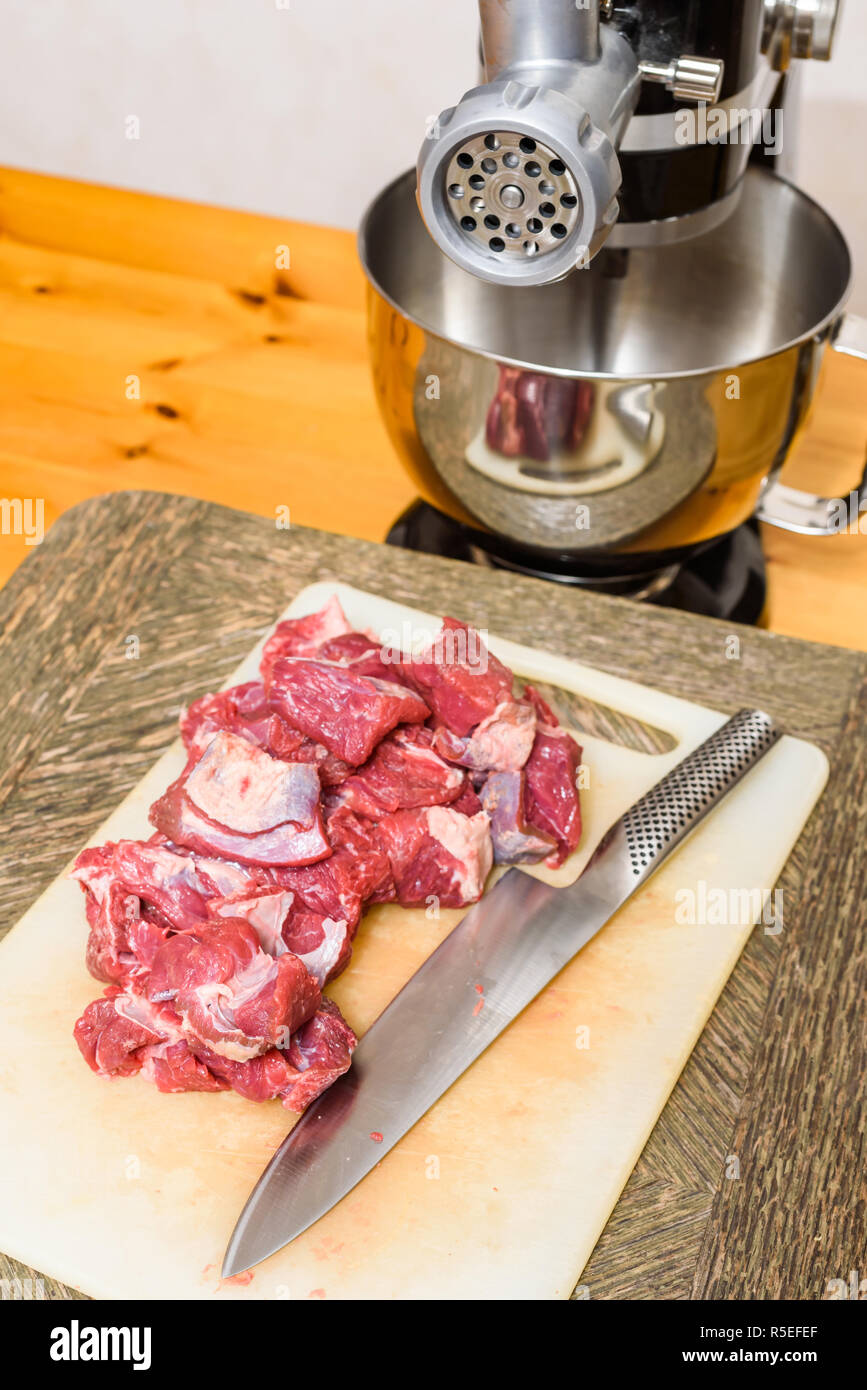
point(597, 312)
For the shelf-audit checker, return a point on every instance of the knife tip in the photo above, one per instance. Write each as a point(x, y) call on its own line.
point(233, 1263)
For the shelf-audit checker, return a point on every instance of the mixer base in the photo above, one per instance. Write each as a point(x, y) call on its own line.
point(724, 578)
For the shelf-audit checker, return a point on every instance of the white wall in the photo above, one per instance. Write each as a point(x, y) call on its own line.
point(832, 164)
point(306, 110)
point(303, 112)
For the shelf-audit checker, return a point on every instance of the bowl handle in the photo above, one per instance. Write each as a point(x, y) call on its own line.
point(805, 512)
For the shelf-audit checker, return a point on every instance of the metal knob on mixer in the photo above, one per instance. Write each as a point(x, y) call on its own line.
point(688, 78)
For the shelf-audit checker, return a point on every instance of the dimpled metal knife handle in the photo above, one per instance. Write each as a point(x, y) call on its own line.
point(675, 805)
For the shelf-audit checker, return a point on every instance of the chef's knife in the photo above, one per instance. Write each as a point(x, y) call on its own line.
point(495, 961)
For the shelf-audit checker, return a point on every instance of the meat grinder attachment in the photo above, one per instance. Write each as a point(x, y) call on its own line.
point(518, 182)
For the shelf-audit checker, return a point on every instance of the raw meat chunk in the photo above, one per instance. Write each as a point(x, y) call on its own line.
point(437, 852)
point(137, 892)
point(235, 785)
point(112, 1031)
point(244, 710)
point(143, 940)
point(113, 1043)
point(403, 772)
point(459, 678)
point(372, 875)
point(499, 743)
point(230, 995)
point(514, 841)
point(304, 636)
point(172, 1067)
point(108, 1041)
point(347, 712)
point(264, 908)
point(320, 1052)
point(115, 921)
point(238, 802)
point(317, 1054)
point(337, 887)
point(363, 654)
point(324, 945)
point(328, 636)
point(178, 886)
point(241, 710)
point(551, 800)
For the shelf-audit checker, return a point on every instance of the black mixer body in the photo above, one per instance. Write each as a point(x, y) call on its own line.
point(679, 179)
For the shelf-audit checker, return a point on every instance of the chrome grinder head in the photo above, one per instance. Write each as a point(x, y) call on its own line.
point(516, 189)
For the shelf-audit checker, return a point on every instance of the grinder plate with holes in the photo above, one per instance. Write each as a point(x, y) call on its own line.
point(512, 194)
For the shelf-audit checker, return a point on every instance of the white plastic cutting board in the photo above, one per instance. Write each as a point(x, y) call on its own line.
point(501, 1191)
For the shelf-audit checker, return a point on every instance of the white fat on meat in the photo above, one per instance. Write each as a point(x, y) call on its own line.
point(503, 741)
point(265, 912)
point(166, 868)
point(97, 881)
point(239, 786)
point(220, 999)
point(323, 959)
point(453, 777)
point(468, 839)
point(226, 878)
point(150, 1014)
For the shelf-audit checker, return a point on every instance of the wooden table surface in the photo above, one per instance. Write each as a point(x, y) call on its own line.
point(777, 1078)
point(150, 343)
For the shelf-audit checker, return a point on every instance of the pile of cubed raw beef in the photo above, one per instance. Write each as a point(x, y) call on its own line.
point(348, 774)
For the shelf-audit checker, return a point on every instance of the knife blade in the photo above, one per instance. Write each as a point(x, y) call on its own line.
point(501, 954)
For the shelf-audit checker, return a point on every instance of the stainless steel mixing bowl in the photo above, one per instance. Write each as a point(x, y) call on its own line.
point(645, 403)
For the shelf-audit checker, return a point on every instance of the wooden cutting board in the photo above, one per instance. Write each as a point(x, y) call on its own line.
point(504, 1187)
